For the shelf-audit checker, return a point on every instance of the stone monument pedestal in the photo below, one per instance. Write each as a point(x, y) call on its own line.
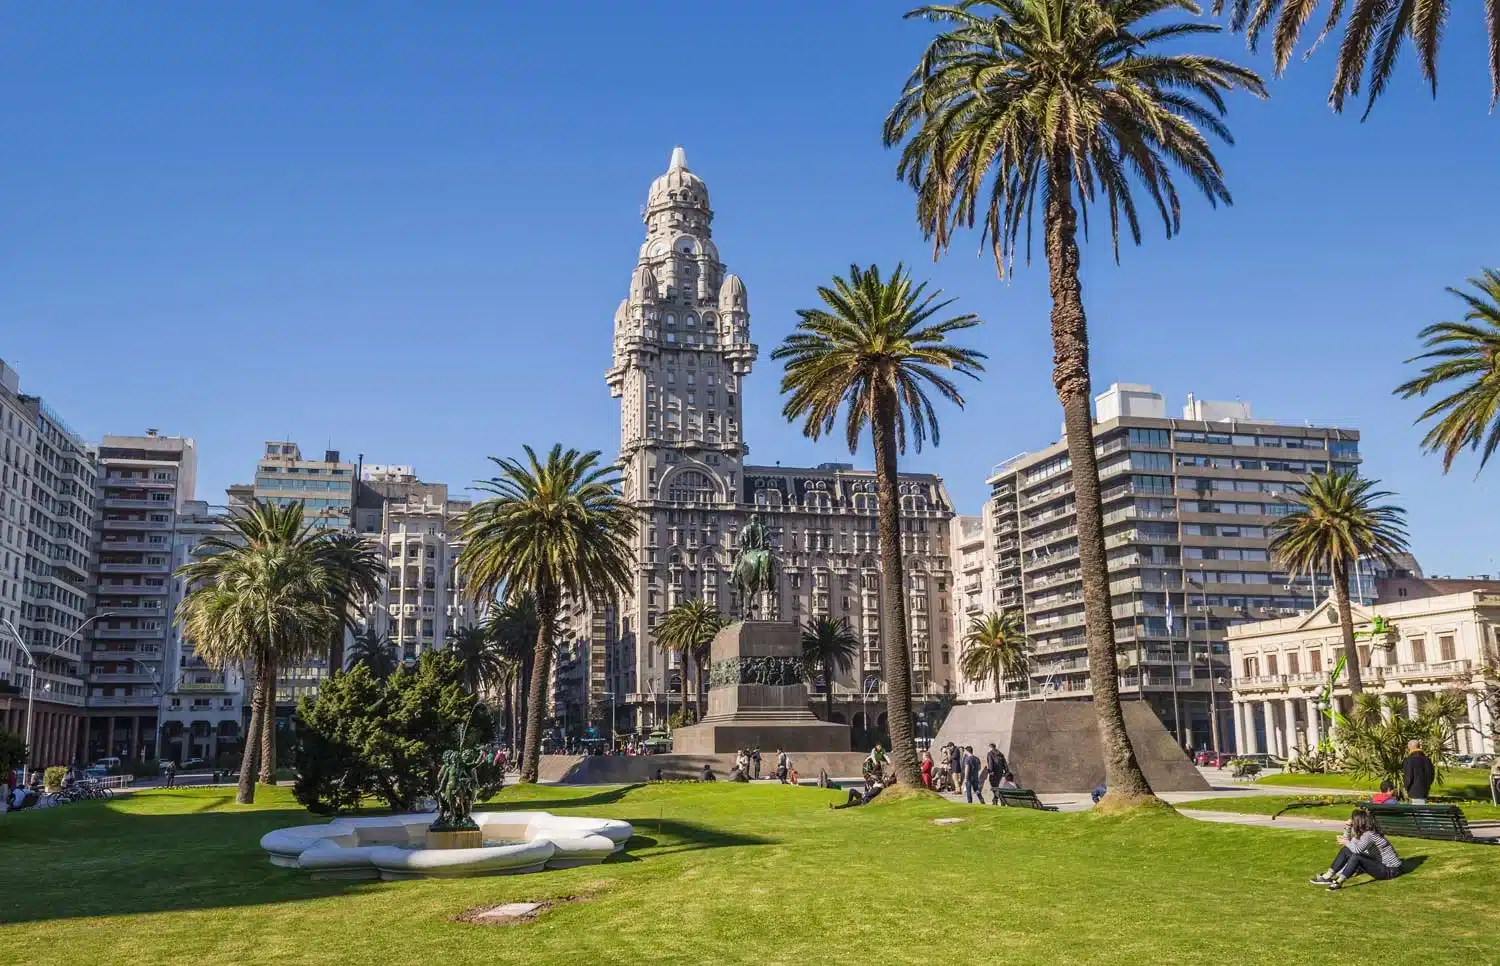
point(757, 697)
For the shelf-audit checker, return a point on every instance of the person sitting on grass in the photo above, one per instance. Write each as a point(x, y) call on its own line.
point(1361, 849)
point(707, 774)
point(1386, 795)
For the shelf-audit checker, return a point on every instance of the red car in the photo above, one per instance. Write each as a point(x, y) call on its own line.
point(1212, 759)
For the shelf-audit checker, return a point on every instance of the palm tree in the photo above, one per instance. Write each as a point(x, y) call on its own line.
point(261, 596)
point(480, 658)
point(1466, 353)
point(829, 647)
point(373, 649)
point(995, 648)
point(553, 529)
point(688, 630)
point(1373, 36)
point(1057, 105)
point(1337, 521)
point(513, 627)
point(356, 566)
point(876, 349)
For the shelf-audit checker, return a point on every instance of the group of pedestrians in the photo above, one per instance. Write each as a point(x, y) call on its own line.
point(747, 762)
point(959, 768)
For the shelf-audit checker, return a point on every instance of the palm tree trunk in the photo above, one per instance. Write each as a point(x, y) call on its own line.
point(828, 695)
point(510, 711)
point(893, 594)
point(268, 727)
point(536, 703)
point(1070, 377)
point(1340, 575)
point(251, 753)
point(336, 652)
point(997, 684)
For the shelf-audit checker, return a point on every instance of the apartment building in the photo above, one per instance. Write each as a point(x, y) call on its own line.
point(682, 353)
point(1188, 504)
point(49, 511)
point(1437, 642)
point(417, 527)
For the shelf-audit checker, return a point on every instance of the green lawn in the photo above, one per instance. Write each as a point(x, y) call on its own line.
point(734, 874)
point(1463, 783)
point(1271, 804)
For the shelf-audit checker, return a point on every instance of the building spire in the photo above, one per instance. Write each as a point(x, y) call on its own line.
point(679, 159)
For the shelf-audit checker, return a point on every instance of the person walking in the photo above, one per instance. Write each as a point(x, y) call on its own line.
point(171, 773)
point(956, 765)
point(998, 766)
point(970, 771)
point(926, 768)
point(755, 762)
point(783, 763)
point(1416, 773)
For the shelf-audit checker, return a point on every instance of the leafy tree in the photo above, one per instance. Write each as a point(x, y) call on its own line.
point(829, 646)
point(1337, 521)
point(1021, 106)
point(995, 649)
point(374, 650)
point(688, 629)
point(262, 597)
point(1464, 355)
point(1373, 36)
point(12, 751)
point(1373, 738)
point(552, 528)
point(874, 350)
point(361, 736)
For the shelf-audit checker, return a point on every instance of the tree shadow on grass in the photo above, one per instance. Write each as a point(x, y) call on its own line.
point(677, 836)
point(501, 803)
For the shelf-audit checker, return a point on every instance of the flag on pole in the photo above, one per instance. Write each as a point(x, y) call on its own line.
point(1169, 613)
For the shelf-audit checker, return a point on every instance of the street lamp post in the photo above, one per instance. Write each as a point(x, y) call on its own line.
point(31, 690)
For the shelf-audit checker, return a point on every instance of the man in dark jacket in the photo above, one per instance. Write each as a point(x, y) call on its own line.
point(1416, 773)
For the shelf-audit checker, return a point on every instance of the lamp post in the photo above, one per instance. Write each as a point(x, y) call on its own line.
point(31, 690)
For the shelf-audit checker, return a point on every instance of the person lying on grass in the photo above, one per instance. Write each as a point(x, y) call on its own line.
point(1361, 849)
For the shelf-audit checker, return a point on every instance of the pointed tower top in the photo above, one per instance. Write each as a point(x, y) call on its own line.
point(679, 159)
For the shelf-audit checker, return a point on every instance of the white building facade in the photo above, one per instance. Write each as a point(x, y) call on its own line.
point(1439, 643)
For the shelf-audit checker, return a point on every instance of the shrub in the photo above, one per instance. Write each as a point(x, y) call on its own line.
point(149, 768)
point(53, 777)
point(12, 752)
point(361, 736)
point(1374, 737)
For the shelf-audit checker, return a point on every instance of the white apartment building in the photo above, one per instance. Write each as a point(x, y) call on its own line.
point(416, 525)
point(682, 352)
point(1439, 643)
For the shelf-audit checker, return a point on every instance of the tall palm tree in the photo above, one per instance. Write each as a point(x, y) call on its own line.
point(513, 627)
point(1373, 36)
point(356, 566)
point(829, 647)
point(1338, 521)
point(552, 528)
point(687, 630)
point(1466, 354)
point(261, 596)
point(1057, 105)
point(480, 659)
point(876, 348)
point(995, 649)
point(374, 650)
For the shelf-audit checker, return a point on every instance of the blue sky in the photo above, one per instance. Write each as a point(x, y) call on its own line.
point(402, 230)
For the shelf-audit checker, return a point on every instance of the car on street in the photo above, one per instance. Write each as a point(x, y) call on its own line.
point(1212, 759)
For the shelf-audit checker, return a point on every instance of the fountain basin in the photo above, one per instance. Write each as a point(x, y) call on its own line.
point(395, 846)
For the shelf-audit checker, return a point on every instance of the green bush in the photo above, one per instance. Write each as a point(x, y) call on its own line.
point(149, 768)
point(12, 752)
point(53, 777)
point(1374, 737)
point(362, 736)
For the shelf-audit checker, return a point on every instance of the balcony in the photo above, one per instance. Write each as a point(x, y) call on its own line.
point(107, 524)
point(135, 567)
point(120, 633)
point(200, 687)
point(136, 503)
point(135, 482)
point(122, 701)
point(1048, 580)
point(121, 677)
point(1430, 670)
point(117, 654)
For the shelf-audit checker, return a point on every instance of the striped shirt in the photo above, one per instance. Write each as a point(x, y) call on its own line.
point(1372, 843)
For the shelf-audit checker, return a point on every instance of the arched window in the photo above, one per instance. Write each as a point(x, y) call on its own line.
point(690, 486)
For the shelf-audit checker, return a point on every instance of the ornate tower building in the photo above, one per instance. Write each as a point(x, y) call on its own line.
point(682, 350)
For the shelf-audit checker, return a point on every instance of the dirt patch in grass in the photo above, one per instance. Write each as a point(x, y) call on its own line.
point(1117, 804)
point(482, 915)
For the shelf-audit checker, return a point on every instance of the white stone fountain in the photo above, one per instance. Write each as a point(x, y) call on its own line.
point(396, 846)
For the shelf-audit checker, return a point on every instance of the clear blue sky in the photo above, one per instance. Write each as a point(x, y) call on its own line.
point(403, 230)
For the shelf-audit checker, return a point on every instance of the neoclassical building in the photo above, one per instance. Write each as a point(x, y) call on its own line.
point(682, 353)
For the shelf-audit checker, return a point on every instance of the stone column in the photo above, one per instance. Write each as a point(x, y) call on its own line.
point(1314, 725)
point(1289, 712)
point(1411, 704)
point(1487, 742)
point(1268, 717)
point(109, 736)
point(1471, 741)
point(135, 736)
point(1239, 728)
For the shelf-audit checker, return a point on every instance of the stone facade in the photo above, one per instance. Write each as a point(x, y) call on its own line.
point(682, 352)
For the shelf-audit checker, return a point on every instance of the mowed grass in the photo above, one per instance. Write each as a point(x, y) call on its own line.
point(1340, 809)
point(727, 873)
point(1457, 783)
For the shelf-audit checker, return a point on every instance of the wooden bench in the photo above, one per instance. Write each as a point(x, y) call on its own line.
point(1022, 798)
point(1446, 822)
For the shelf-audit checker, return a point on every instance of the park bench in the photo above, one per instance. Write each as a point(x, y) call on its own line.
point(1022, 798)
point(1446, 822)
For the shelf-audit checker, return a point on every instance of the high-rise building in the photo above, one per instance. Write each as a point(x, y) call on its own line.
point(144, 481)
point(682, 351)
point(416, 525)
point(1188, 504)
point(48, 521)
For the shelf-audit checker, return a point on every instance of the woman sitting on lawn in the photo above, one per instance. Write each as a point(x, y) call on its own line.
point(1362, 849)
